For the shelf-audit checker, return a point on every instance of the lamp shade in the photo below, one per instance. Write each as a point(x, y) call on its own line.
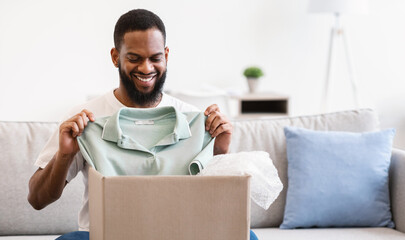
point(338, 6)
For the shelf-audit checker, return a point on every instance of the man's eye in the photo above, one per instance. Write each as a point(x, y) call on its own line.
point(156, 59)
point(132, 59)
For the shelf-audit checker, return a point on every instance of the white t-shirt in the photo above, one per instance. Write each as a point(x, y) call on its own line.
point(105, 105)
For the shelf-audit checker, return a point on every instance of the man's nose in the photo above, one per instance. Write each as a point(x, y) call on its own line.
point(146, 67)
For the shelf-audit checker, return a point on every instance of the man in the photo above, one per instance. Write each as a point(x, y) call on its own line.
point(141, 57)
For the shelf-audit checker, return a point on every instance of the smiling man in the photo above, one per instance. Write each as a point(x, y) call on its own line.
point(141, 58)
point(140, 54)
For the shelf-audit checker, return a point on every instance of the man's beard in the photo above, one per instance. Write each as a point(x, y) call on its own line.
point(138, 97)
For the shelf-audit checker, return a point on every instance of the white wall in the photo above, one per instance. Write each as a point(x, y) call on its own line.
point(53, 54)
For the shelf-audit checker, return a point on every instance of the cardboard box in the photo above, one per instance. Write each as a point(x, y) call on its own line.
point(169, 207)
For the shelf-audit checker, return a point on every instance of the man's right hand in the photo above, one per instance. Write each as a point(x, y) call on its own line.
point(46, 185)
point(72, 128)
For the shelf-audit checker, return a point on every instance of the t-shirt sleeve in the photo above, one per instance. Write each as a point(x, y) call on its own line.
point(49, 150)
point(52, 146)
point(76, 166)
point(47, 153)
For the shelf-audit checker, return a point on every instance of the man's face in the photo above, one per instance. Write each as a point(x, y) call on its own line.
point(142, 62)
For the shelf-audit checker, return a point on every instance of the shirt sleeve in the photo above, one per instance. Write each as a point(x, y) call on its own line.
point(76, 166)
point(52, 146)
point(84, 151)
point(49, 150)
point(47, 153)
point(203, 157)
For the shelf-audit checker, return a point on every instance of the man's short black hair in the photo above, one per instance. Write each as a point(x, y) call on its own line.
point(137, 20)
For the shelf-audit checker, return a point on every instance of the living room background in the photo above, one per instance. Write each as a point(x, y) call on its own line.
point(55, 54)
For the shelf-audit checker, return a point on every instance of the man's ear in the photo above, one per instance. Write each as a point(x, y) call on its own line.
point(167, 53)
point(115, 56)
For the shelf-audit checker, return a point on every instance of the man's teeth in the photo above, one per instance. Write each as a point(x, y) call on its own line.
point(145, 79)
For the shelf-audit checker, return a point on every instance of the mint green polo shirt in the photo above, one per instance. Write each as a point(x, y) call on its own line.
point(152, 141)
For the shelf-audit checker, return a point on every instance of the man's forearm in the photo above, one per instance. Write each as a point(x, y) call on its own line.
point(46, 185)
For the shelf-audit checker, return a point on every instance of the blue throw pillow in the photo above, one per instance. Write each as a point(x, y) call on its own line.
point(337, 179)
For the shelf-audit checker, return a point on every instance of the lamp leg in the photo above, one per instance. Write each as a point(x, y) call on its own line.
point(351, 71)
point(325, 96)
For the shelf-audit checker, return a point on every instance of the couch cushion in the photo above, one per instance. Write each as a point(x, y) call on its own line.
point(397, 189)
point(338, 179)
point(330, 234)
point(268, 135)
point(20, 144)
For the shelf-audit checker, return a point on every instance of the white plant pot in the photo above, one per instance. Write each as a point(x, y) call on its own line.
point(253, 84)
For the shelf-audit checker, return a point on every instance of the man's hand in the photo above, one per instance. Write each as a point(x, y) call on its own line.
point(70, 129)
point(218, 125)
point(46, 185)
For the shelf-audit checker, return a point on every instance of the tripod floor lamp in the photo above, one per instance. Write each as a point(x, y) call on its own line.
point(338, 8)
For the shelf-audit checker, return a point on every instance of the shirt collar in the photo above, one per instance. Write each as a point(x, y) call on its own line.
point(112, 131)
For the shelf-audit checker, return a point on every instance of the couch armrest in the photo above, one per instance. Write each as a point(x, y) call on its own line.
point(397, 188)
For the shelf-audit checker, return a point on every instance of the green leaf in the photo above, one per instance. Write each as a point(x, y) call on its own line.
point(253, 72)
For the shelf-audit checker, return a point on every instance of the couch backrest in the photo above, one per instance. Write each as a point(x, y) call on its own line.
point(20, 144)
point(268, 135)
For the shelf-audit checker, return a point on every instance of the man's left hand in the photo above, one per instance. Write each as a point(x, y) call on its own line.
point(218, 125)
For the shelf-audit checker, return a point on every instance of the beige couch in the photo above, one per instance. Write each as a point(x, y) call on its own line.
point(20, 143)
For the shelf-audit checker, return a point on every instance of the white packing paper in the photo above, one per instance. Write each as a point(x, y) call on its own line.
point(265, 184)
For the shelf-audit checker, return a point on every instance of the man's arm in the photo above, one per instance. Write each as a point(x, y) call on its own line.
point(220, 127)
point(46, 185)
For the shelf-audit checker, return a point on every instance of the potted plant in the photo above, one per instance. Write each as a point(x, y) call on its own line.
point(253, 74)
